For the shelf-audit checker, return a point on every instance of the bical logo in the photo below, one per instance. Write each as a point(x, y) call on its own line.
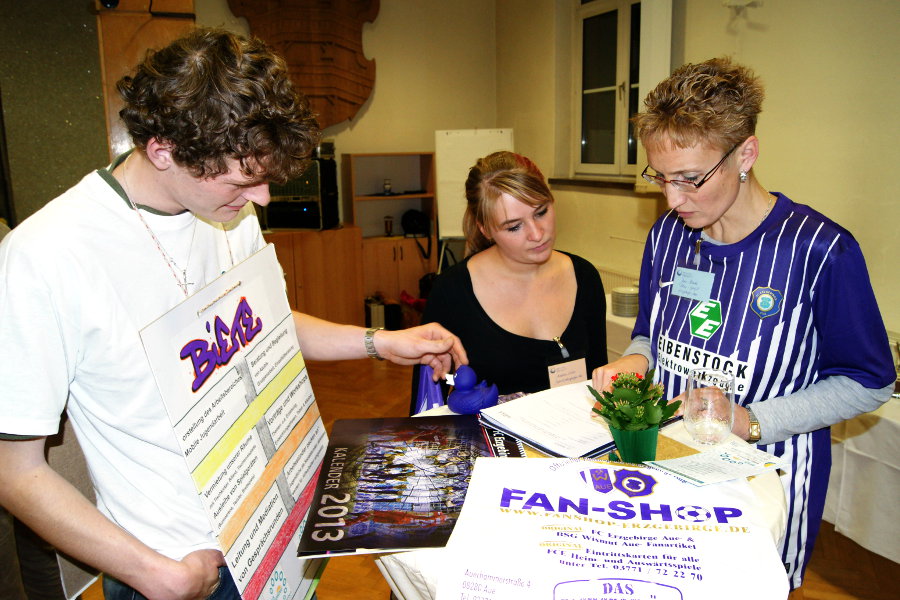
point(706, 318)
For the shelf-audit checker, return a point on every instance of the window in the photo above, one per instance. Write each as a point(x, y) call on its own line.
point(607, 60)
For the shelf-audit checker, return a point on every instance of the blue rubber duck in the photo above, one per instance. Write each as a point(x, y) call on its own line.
point(468, 398)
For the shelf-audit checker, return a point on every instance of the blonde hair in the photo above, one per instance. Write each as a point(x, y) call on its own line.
point(715, 102)
point(496, 174)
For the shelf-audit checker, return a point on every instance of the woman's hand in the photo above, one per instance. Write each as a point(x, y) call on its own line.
point(739, 427)
point(632, 363)
point(428, 344)
point(679, 412)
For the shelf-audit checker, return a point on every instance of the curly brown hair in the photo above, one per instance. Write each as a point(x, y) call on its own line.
point(496, 174)
point(715, 102)
point(214, 95)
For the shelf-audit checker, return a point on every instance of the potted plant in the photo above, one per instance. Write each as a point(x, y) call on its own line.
point(633, 409)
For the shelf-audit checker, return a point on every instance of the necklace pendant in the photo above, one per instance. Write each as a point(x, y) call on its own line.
point(184, 283)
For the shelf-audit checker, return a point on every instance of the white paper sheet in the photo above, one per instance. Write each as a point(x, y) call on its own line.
point(539, 528)
point(733, 459)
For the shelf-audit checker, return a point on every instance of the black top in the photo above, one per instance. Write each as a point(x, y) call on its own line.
point(514, 362)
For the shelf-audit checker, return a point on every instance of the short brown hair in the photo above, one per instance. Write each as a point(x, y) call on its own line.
point(715, 101)
point(215, 95)
point(496, 174)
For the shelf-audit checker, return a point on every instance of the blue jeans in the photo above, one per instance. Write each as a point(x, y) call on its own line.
point(113, 589)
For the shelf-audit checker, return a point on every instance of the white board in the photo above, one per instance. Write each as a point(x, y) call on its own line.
point(455, 153)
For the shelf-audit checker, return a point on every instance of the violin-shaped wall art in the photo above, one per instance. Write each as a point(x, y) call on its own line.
point(321, 40)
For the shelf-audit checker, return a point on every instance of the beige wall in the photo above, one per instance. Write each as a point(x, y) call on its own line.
point(608, 227)
point(830, 122)
point(828, 129)
point(435, 68)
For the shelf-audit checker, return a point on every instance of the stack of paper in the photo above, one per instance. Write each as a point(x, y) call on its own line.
point(557, 422)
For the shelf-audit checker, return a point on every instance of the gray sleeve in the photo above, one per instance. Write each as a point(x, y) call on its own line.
point(640, 344)
point(824, 403)
point(830, 401)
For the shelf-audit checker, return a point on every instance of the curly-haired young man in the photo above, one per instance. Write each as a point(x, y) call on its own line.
point(214, 118)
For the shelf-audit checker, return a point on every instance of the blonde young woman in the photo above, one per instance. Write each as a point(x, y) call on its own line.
point(787, 307)
point(527, 314)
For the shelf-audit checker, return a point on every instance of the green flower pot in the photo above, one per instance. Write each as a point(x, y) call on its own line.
point(635, 446)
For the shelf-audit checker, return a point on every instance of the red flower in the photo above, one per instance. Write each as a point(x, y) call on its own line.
point(614, 377)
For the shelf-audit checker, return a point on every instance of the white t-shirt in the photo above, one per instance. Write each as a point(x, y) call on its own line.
point(78, 280)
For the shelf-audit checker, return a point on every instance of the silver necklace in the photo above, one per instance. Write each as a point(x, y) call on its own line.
point(765, 214)
point(768, 209)
point(182, 282)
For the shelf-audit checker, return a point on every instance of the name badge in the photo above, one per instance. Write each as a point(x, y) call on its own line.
point(565, 373)
point(693, 284)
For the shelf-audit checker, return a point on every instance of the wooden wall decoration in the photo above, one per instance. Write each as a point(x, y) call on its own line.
point(321, 40)
point(126, 31)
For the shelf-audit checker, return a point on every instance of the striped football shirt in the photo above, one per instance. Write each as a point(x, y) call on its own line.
point(791, 304)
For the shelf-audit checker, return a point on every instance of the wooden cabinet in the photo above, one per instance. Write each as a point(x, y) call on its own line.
point(323, 271)
point(391, 263)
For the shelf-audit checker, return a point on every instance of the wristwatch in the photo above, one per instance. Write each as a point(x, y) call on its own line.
point(370, 342)
point(755, 433)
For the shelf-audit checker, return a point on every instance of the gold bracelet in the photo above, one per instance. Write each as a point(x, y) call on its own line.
point(755, 431)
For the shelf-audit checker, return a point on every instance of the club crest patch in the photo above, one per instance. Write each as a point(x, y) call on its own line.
point(634, 483)
point(599, 479)
point(765, 301)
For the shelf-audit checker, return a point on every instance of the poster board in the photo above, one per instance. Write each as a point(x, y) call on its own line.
point(456, 151)
point(228, 365)
point(589, 530)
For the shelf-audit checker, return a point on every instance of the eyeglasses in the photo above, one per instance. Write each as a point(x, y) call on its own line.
point(684, 185)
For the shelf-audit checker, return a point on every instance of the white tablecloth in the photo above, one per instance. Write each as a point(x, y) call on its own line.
point(864, 489)
point(413, 575)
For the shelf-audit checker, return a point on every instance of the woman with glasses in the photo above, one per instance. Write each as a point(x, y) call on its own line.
point(741, 279)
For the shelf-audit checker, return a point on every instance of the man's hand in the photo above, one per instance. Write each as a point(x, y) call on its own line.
point(60, 514)
point(428, 344)
point(194, 577)
point(631, 363)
